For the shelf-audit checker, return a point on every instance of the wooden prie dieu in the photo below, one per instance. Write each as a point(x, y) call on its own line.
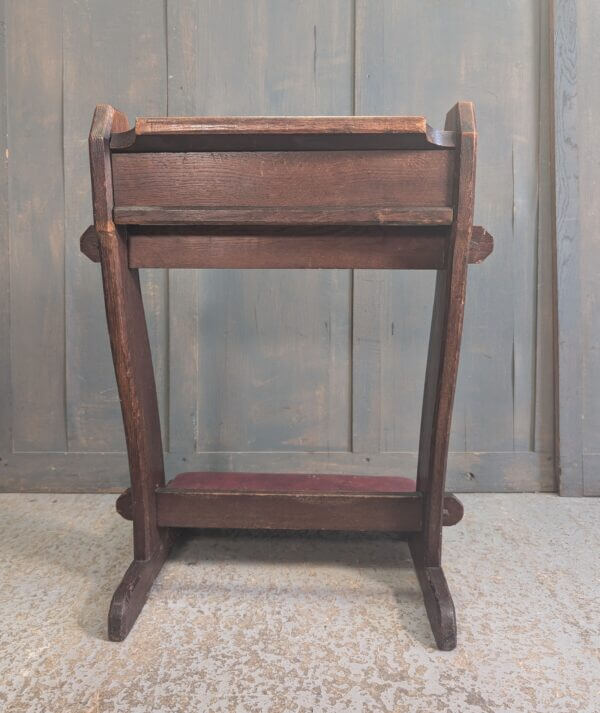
point(290, 192)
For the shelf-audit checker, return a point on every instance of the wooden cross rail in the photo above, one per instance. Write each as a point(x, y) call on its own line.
point(292, 192)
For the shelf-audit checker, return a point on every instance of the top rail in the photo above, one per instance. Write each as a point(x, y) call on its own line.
point(260, 132)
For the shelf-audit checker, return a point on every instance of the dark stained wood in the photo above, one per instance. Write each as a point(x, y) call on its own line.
point(292, 483)
point(106, 119)
point(440, 377)
point(481, 245)
point(228, 207)
point(439, 606)
point(453, 510)
point(368, 215)
point(287, 483)
point(131, 594)
point(129, 345)
point(292, 179)
point(135, 380)
point(124, 505)
point(89, 244)
point(280, 133)
point(336, 248)
point(289, 511)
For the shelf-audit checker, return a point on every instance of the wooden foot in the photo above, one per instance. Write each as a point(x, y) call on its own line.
point(130, 596)
point(439, 605)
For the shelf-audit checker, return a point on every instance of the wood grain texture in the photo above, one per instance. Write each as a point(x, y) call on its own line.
point(568, 385)
point(135, 379)
point(131, 594)
point(439, 606)
point(543, 432)
point(195, 249)
point(369, 215)
point(511, 295)
point(36, 219)
point(270, 349)
point(444, 344)
point(294, 179)
point(102, 62)
point(291, 483)
point(109, 472)
point(215, 482)
point(379, 248)
point(588, 106)
point(5, 365)
point(234, 125)
point(251, 84)
point(197, 499)
point(129, 345)
point(289, 511)
point(280, 133)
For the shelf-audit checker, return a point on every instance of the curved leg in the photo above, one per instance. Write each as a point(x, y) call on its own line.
point(135, 380)
point(438, 603)
point(440, 383)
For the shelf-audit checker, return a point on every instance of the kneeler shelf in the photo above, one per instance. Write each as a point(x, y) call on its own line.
point(290, 192)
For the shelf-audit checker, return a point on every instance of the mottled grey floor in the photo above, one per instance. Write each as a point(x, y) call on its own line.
point(253, 623)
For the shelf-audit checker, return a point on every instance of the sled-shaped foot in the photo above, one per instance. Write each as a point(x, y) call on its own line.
point(130, 596)
point(439, 605)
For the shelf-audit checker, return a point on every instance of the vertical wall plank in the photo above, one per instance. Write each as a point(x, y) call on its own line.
point(367, 338)
point(183, 25)
point(588, 84)
point(420, 58)
point(569, 401)
point(544, 386)
point(36, 219)
point(5, 372)
point(114, 52)
point(273, 358)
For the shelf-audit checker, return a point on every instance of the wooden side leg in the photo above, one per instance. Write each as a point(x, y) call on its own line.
point(135, 379)
point(439, 605)
point(131, 594)
point(426, 546)
point(440, 382)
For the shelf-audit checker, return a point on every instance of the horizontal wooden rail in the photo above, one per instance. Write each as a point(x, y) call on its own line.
point(290, 511)
point(342, 250)
point(281, 215)
point(252, 133)
point(333, 248)
point(292, 502)
point(287, 180)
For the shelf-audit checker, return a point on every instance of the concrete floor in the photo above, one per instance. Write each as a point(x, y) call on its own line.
point(255, 623)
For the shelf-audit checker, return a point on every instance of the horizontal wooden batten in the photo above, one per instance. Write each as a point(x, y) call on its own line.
point(282, 215)
point(293, 179)
point(252, 133)
point(290, 502)
point(380, 248)
point(230, 486)
point(342, 247)
point(290, 511)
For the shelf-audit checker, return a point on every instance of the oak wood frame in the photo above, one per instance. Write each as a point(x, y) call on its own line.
point(440, 237)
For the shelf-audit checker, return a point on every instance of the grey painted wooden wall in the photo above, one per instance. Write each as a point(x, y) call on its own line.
point(577, 168)
point(279, 370)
